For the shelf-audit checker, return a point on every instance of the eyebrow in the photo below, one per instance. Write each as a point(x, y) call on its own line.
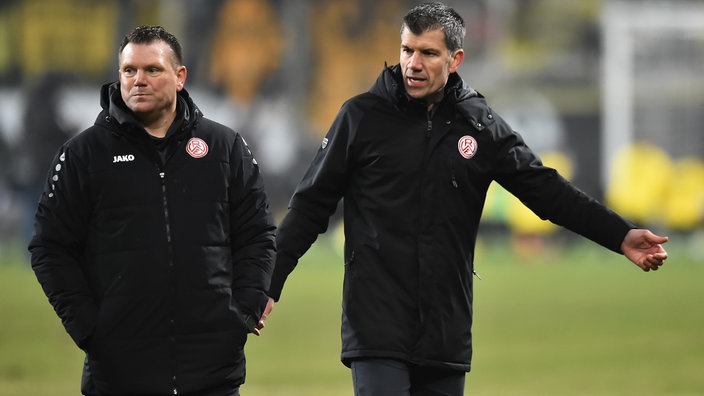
point(422, 49)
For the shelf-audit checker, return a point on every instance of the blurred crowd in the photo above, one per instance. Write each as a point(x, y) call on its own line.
point(277, 71)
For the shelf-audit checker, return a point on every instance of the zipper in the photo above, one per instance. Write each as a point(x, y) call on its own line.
point(428, 133)
point(164, 201)
point(429, 127)
point(170, 255)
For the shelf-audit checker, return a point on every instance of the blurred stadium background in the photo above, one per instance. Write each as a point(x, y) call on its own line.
point(610, 93)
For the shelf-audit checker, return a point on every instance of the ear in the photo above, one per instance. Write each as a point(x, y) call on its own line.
point(181, 73)
point(457, 58)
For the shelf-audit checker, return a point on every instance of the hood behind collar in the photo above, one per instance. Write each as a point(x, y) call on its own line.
point(389, 85)
point(467, 101)
point(114, 107)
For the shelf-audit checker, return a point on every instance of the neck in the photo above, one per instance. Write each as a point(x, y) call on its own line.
point(436, 98)
point(159, 127)
point(432, 103)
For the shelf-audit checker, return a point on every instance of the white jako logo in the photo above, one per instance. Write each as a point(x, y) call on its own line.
point(122, 158)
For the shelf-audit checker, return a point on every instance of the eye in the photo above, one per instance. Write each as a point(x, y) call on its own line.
point(128, 71)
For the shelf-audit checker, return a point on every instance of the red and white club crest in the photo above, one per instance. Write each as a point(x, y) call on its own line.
point(467, 146)
point(196, 148)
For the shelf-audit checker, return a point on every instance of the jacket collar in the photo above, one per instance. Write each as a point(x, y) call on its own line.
point(464, 99)
point(115, 110)
point(389, 85)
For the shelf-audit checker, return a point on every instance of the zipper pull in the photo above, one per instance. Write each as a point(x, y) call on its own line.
point(476, 274)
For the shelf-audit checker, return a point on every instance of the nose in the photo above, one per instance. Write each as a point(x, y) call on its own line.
point(415, 61)
point(139, 77)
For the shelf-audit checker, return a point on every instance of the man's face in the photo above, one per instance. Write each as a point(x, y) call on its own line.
point(426, 64)
point(149, 79)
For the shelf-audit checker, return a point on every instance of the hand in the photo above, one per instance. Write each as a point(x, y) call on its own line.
point(644, 249)
point(269, 306)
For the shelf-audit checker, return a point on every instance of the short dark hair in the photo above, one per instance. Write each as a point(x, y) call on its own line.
point(432, 16)
point(148, 34)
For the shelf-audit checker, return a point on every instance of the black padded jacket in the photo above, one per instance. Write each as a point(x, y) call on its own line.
point(157, 265)
point(413, 185)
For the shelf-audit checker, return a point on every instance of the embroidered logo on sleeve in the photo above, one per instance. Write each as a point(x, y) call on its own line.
point(196, 148)
point(467, 146)
point(249, 152)
point(55, 176)
point(324, 143)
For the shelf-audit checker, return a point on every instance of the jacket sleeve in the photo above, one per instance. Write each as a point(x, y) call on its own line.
point(61, 226)
point(550, 196)
point(252, 234)
point(315, 200)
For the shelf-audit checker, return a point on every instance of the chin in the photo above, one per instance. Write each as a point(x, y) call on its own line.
point(417, 96)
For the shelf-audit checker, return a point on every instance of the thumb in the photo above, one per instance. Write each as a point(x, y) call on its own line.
point(650, 237)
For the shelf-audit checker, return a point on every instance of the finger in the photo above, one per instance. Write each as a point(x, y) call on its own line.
point(645, 264)
point(661, 256)
point(652, 238)
point(649, 235)
point(652, 263)
point(656, 259)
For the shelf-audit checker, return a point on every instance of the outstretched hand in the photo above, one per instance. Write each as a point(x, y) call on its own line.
point(644, 249)
point(262, 322)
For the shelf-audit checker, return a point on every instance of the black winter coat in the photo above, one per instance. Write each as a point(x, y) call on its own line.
point(157, 268)
point(414, 185)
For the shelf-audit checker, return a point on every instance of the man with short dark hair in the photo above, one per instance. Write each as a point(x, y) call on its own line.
point(153, 238)
point(413, 159)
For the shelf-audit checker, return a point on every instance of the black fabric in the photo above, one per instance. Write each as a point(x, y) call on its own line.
point(154, 265)
point(385, 377)
point(412, 207)
point(163, 146)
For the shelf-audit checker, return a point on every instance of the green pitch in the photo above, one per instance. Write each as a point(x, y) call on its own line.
point(571, 320)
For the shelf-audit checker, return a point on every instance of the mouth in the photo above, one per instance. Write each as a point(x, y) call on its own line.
point(414, 81)
point(140, 95)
